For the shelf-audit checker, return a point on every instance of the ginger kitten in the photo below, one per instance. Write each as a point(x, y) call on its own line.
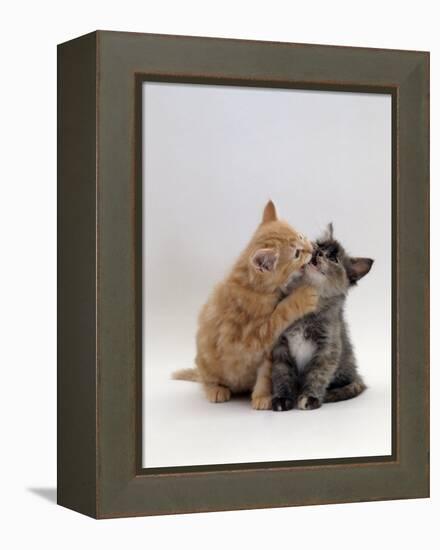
point(244, 317)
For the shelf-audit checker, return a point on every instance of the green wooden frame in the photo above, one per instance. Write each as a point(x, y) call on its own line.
point(99, 268)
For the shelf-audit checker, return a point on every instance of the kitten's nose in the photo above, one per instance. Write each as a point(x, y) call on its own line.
point(308, 247)
point(308, 258)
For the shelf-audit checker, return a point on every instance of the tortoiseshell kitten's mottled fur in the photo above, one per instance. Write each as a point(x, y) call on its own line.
point(313, 361)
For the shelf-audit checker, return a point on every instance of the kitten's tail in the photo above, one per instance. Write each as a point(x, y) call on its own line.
point(191, 375)
point(344, 392)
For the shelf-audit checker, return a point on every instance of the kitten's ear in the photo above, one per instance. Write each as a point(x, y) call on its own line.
point(270, 213)
point(327, 235)
point(358, 268)
point(264, 260)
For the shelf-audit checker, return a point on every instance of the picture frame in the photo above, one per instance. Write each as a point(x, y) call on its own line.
point(100, 471)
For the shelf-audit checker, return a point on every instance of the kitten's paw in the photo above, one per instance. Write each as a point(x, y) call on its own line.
point(262, 403)
point(309, 299)
point(308, 402)
point(282, 404)
point(217, 394)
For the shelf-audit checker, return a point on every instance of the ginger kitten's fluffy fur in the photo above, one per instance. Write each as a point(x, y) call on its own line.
point(244, 317)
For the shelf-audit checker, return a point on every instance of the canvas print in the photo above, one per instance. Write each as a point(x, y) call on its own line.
point(267, 275)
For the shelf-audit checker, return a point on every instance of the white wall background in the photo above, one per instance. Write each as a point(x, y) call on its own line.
point(30, 31)
point(213, 155)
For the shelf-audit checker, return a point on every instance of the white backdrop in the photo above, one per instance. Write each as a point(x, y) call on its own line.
point(213, 155)
point(28, 274)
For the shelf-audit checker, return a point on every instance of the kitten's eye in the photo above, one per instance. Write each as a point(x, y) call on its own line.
point(297, 253)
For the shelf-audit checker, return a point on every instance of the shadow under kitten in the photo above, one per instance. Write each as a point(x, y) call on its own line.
point(313, 361)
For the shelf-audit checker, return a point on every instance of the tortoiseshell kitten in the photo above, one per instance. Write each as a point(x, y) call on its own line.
point(313, 360)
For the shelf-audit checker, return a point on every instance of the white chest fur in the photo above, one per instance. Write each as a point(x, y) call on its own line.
point(301, 349)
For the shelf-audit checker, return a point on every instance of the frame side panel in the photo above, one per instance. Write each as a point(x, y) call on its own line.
point(77, 271)
point(413, 237)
